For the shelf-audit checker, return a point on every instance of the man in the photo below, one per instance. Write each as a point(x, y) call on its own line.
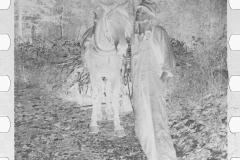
point(152, 63)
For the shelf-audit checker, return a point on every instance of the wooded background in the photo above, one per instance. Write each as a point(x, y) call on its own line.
point(185, 20)
point(197, 29)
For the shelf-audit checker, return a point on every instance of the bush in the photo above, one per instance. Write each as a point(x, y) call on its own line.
point(197, 102)
point(200, 70)
point(46, 64)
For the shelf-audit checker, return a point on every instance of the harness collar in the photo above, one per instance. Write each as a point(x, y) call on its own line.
point(94, 50)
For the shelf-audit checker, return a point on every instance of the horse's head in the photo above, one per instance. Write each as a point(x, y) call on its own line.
point(113, 27)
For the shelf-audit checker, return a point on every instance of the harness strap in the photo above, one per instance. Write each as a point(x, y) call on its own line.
point(106, 54)
point(107, 34)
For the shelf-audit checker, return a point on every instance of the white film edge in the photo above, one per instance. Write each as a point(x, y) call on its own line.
point(4, 42)
point(234, 124)
point(234, 4)
point(5, 83)
point(4, 4)
point(5, 124)
point(234, 42)
point(234, 82)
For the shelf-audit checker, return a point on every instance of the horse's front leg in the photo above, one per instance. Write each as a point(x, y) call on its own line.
point(94, 128)
point(119, 131)
point(99, 102)
point(109, 110)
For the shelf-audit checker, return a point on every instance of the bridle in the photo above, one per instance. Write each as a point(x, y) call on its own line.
point(107, 34)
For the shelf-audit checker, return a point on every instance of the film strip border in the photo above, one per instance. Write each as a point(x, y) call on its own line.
point(6, 79)
point(233, 99)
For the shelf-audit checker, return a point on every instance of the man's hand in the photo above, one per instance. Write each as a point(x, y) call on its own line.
point(122, 49)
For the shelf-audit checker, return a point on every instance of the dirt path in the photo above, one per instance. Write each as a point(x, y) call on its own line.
point(48, 128)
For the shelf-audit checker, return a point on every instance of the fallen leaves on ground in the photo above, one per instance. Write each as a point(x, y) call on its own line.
point(47, 127)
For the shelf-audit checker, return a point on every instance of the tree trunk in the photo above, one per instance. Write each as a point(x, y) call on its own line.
point(20, 34)
point(33, 33)
point(61, 21)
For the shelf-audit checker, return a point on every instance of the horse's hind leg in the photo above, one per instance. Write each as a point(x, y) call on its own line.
point(119, 131)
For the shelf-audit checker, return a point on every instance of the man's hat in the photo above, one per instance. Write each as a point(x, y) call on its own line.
point(151, 6)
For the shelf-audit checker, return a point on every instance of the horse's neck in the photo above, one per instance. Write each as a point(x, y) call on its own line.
point(100, 38)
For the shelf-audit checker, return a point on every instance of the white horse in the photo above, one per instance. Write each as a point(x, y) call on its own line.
point(105, 46)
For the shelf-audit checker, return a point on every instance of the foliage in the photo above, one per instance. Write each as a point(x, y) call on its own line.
point(197, 100)
point(186, 18)
point(50, 64)
point(200, 70)
point(70, 18)
point(52, 19)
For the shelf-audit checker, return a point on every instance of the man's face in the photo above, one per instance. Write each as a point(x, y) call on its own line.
point(142, 14)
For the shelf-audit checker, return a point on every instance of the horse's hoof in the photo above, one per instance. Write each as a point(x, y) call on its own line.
point(93, 129)
point(120, 133)
point(110, 117)
point(99, 117)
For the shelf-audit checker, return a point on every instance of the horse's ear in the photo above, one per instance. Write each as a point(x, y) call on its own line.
point(104, 6)
point(125, 4)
